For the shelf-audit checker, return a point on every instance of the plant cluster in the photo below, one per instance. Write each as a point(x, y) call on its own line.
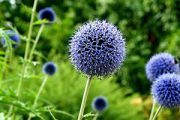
point(162, 70)
point(97, 49)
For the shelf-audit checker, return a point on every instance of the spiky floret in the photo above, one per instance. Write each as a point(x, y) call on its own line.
point(47, 13)
point(166, 90)
point(97, 48)
point(100, 104)
point(14, 37)
point(160, 64)
point(49, 68)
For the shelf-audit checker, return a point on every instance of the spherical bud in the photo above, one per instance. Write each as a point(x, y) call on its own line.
point(166, 90)
point(160, 64)
point(97, 48)
point(47, 13)
point(100, 104)
point(14, 37)
point(49, 68)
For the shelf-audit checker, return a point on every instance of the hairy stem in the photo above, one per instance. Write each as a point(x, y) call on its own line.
point(27, 47)
point(30, 30)
point(86, 91)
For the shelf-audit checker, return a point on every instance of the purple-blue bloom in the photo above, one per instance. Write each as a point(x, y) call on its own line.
point(47, 13)
point(166, 90)
point(100, 104)
point(160, 64)
point(14, 37)
point(49, 68)
point(97, 48)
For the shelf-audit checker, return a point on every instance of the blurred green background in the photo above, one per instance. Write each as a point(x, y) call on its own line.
point(148, 26)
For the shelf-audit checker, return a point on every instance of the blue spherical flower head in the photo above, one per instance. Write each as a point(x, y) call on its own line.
point(166, 90)
point(160, 64)
point(48, 14)
point(97, 48)
point(14, 37)
point(49, 68)
point(100, 104)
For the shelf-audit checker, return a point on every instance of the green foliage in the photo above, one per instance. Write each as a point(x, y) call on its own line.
point(64, 92)
point(149, 26)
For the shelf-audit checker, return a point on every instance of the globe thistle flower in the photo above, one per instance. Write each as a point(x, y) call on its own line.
point(100, 104)
point(47, 13)
point(14, 37)
point(166, 90)
point(159, 64)
point(97, 48)
point(49, 68)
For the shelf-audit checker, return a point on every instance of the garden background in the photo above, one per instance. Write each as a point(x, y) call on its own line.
point(148, 26)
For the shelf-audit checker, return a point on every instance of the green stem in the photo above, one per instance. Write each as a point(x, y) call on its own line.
point(96, 116)
point(157, 112)
point(18, 91)
point(89, 115)
point(27, 47)
point(52, 114)
point(24, 68)
point(83, 104)
point(40, 90)
point(31, 54)
point(35, 42)
point(152, 110)
point(10, 111)
point(38, 94)
point(30, 30)
point(63, 112)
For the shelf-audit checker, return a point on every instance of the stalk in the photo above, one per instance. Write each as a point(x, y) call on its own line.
point(25, 65)
point(152, 110)
point(35, 42)
point(24, 68)
point(157, 112)
point(38, 94)
point(86, 91)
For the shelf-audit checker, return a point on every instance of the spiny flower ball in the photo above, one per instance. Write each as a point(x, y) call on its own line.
point(100, 104)
point(166, 90)
point(161, 63)
point(47, 13)
point(14, 37)
point(97, 48)
point(49, 68)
